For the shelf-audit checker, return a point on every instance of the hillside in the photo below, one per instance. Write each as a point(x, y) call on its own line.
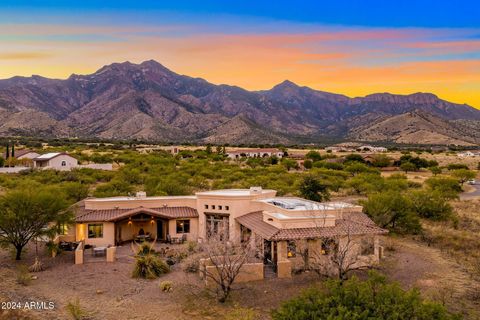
point(149, 101)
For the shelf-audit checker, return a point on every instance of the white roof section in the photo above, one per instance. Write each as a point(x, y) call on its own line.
point(298, 204)
point(48, 156)
point(282, 216)
point(235, 192)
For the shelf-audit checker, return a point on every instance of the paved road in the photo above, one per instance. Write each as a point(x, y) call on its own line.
point(471, 195)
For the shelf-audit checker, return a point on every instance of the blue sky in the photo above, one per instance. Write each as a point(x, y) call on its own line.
point(420, 13)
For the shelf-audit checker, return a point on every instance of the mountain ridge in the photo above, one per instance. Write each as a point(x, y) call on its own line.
point(149, 101)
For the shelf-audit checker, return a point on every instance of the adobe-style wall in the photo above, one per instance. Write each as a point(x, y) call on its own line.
point(133, 202)
point(56, 163)
point(108, 234)
point(248, 272)
point(191, 236)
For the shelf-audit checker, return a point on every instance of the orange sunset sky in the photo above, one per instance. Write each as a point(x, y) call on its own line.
point(251, 52)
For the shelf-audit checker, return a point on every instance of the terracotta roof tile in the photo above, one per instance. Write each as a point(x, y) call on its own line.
point(83, 215)
point(353, 223)
point(254, 221)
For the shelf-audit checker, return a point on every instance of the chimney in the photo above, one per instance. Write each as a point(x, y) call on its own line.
point(255, 190)
point(141, 195)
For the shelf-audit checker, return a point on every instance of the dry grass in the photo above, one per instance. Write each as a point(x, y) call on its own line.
point(460, 239)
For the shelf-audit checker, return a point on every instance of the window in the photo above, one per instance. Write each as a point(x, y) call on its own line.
point(95, 230)
point(213, 207)
point(367, 246)
point(245, 234)
point(219, 207)
point(62, 229)
point(291, 249)
point(217, 225)
point(227, 208)
point(64, 163)
point(183, 226)
point(328, 245)
point(206, 206)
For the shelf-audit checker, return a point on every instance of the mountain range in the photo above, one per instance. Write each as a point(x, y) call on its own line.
point(149, 101)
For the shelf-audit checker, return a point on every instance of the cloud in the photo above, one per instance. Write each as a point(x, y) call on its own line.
point(24, 55)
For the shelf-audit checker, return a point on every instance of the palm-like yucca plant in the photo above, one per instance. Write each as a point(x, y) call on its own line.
point(148, 264)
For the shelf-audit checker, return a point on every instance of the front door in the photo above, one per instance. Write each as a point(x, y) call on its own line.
point(267, 252)
point(160, 230)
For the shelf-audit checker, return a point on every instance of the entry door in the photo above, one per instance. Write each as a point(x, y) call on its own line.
point(267, 252)
point(160, 230)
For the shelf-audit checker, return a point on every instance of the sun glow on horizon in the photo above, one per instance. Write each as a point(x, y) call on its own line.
point(355, 61)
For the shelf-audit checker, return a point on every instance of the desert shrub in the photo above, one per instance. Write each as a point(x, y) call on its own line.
point(381, 160)
point(374, 298)
point(53, 248)
point(457, 166)
point(328, 165)
point(239, 313)
point(145, 249)
point(23, 276)
point(166, 286)
point(308, 164)
point(149, 266)
point(313, 156)
point(191, 264)
point(75, 311)
point(191, 246)
point(392, 210)
point(448, 187)
point(312, 189)
point(354, 157)
point(430, 204)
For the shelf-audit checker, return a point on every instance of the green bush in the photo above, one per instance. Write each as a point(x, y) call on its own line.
point(392, 210)
point(374, 298)
point(149, 266)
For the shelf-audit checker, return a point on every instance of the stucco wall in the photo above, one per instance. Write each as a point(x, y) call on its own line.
point(248, 272)
point(108, 234)
point(132, 202)
point(191, 236)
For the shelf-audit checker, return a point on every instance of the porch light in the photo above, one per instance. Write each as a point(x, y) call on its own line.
point(130, 221)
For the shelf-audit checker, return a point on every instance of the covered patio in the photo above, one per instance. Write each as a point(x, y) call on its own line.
point(115, 227)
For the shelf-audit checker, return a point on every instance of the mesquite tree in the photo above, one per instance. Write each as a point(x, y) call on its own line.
point(26, 214)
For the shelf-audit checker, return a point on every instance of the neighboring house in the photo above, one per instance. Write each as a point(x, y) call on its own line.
point(274, 226)
point(372, 148)
point(340, 149)
point(468, 154)
point(25, 154)
point(56, 161)
point(254, 153)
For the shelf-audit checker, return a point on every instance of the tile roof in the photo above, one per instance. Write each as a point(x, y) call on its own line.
point(110, 215)
point(354, 223)
point(19, 153)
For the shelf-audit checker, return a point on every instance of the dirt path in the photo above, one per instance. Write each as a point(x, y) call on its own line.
point(428, 269)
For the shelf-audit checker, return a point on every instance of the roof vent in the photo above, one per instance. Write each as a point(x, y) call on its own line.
point(141, 195)
point(255, 190)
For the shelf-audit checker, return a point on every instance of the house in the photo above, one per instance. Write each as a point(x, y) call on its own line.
point(24, 154)
point(55, 160)
point(468, 154)
point(372, 148)
point(254, 153)
point(273, 226)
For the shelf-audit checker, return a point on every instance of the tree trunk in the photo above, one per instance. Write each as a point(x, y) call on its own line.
point(18, 255)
